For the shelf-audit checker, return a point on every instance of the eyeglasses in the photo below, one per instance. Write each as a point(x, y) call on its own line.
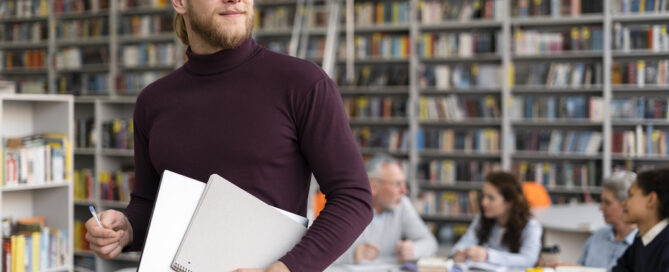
point(396, 184)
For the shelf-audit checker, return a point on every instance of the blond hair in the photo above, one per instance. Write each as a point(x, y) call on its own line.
point(180, 28)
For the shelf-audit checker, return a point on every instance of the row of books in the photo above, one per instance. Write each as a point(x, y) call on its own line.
point(453, 107)
point(381, 45)
point(23, 8)
point(453, 44)
point(569, 175)
point(118, 133)
point(551, 107)
point(133, 83)
point(529, 42)
point(391, 139)
point(78, 6)
point(85, 133)
point(36, 159)
point(84, 180)
point(148, 54)
point(450, 172)
point(77, 57)
point(32, 84)
point(117, 185)
point(126, 4)
point(639, 6)
point(460, 76)
point(558, 141)
point(646, 37)
point(22, 59)
point(280, 17)
point(276, 44)
point(449, 203)
point(434, 12)
point(82, 83)
point(448, 233)
point(640, 141)
point(80, 242)
point(375, 107)
point(558, 74)
point(465, 140)
point(145, 25)
point(82, 29)
point(640, 72)
point(316, 48)
point(24, 32)
point(382, 12)
point(34, 247)
point(374, 75)
point(555, 8)
point(640, 107)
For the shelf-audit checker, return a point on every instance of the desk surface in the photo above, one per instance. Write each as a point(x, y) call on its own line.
point(575, 218)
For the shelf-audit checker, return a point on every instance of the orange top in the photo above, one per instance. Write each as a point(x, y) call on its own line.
point(536, 194)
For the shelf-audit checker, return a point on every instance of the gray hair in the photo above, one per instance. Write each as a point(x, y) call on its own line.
point(374, 164)
point(619, 183)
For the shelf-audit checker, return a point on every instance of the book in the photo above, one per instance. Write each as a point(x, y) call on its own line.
point(232, 229)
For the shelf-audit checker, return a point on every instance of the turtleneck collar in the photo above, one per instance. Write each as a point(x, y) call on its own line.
point(220, 61)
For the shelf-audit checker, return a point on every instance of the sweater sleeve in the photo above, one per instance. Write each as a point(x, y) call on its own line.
point(415, 230)
point(529, 251)
point(469, 239)
point(586, 250)
point(325, 140)
point(143, 194)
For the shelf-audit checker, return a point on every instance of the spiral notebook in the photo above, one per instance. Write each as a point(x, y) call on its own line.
point(233, 229)
point(177, 199)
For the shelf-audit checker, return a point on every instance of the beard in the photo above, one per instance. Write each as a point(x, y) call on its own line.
point(220, 36)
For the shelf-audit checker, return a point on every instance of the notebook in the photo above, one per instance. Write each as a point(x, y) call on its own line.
point(233, 229)
point(177, 199)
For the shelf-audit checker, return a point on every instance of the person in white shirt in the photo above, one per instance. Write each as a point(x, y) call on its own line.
point(503, 234)
point(396, 233)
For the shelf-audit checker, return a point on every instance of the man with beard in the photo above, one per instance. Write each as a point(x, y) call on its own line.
point(262, 120)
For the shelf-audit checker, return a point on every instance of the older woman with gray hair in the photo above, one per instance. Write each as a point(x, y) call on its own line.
point(607, 244)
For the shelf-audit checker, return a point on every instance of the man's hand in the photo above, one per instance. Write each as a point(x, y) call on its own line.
point(460, 256)
point(278, 266)
point(404, 250)
point(366, 252)
point(477, 254)
point(108, 242)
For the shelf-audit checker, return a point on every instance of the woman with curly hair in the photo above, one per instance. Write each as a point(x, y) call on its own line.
point(504, 233)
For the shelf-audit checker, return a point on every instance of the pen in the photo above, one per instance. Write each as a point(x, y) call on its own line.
point(95, 215)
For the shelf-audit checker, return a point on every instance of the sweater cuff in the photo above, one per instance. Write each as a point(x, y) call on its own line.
point(290, 263)
point(495, 257)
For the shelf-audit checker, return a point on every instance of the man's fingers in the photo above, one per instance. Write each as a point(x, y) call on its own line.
point(110, 219)
point(96, 231)
point(100, 241)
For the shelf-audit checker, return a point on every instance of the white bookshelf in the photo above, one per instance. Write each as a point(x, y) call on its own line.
point(24, 115)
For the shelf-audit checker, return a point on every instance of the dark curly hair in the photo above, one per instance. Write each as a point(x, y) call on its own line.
point(512, 192)
point(657, 181)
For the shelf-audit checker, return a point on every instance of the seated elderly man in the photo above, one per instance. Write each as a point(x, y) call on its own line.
point(396, 233)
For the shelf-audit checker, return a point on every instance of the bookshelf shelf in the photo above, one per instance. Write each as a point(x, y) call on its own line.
point(146, 10)
point(24, 71)
point(458, 186)
point(113, 204)
point(4, 20)
point(447, 218)
point(536, 155)
point(538, 122)
point(128, 257)
point(661, 17)
point(360, 29)
point(272, 32)
point(82, 15)
point(375, 90)
point(636, 54)
point(574, 190)
point(461, 25)
point(141, 68)
point(475, 122)
point(84, 202)
point(639, 90)
point(557, 91)
point(24, 45)
point(84, 151)
point(379, 122)
point(560, 21)
point(276, 3)
point(83, 253)
point(471, 91)
point(86, 68)
point(647, 158)
point(160, 37)
point(459, 154)
point(635, 122)
point(378, 60)
point(30, 187)
point(478, 58)
point(367, 151)
point(565, 55)
point(117, 152)
point(84, 41)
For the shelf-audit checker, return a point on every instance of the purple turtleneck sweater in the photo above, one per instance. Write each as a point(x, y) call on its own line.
point(264, 121)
